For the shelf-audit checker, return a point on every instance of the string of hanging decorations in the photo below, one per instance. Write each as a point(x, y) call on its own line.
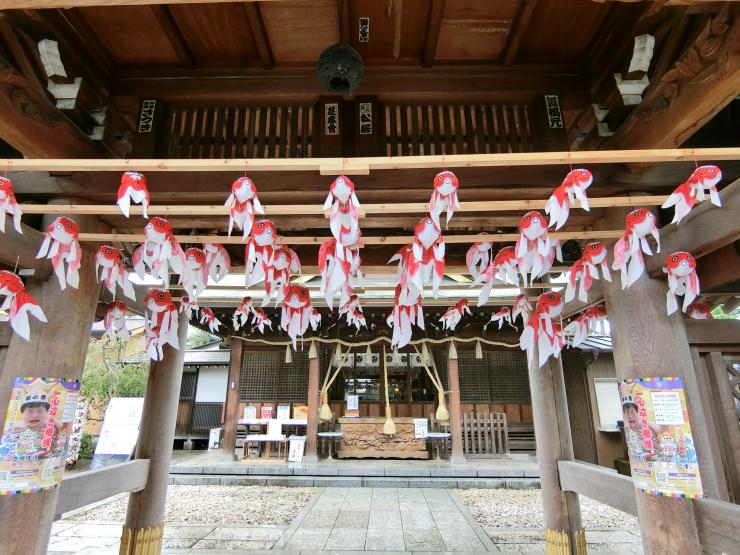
point(420, 264)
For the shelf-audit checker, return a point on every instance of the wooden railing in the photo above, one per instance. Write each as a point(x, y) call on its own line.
point(484, 434)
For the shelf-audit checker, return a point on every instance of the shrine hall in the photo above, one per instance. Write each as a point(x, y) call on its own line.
point(449, 233)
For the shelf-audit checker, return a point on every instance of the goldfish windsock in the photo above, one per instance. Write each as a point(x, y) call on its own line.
point(444, 196)
point(114, 321)
point(407, 311)
point(593, 319)
point(699, 311)
point(315, 319)
point(259, 251)
point(243, 204)
point(478, 258)
point(208, 317)
point(535, 252)
point(218, 261)
point(159, 251)
point(344, 218)
point(703, 181)
point(503, 269)
point(161, 323)
point(572, 189)
point(628, 249)
point(133, 188)
point(194, 276)
point(109, 269)
point(585, 270)
point(503, 315)
point(18, 304)
point(285, 263)
point(522, 308)
point(9, 206)
point(350, 309)
point(188, 306)
point(260, 320)
point(452, 316)
point(61, 245)
point(427, 260)
point(296, 313)
point(242, 312)
point(539, 332)
point(680, 268)
point(340, 267)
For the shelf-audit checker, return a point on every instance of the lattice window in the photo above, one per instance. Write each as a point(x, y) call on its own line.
point(509, 377)
point(293, 379)
point(475, 383)
point(266, 378)
point(187, 385)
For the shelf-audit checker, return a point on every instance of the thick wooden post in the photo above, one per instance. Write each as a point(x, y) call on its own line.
point(312, 427)
point(453, 383)
point(57, 348)
point(563, 530)
point(233, 387)
point(142, 533)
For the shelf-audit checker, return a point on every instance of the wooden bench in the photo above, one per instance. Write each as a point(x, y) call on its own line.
point(521, 437)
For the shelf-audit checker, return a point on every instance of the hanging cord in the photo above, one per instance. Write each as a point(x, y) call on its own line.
point(378, 339)
point(389, 427)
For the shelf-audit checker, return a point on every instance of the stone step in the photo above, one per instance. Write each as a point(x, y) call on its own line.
point(354, 481)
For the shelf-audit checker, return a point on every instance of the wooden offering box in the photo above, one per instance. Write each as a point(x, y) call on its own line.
point(364, 438)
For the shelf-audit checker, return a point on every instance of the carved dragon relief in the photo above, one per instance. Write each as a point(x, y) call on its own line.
point(705, 60)
point(370, 436)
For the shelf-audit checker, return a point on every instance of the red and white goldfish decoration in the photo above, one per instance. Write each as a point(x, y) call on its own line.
point(444, 196)
point(114, 321)
point(61, 245)
point(218, 261)
point(296, 314)
point(593, 319)
point(243, 205)
point(133, 188)
point(9, 206)
point(427, 262)
point(572, 189)
point(503, 315)
point(260, 320)
point(159, 251)
point(407, 311)
point(259, 250)
point(478, 258)
point(522, 308)
point(161, 323)
point(340, 270)
point(188, 306)
point(350, 310)
point(680, 269)
point(208, 317)
point(629, 248)
point(18, 304)
point(315, 319)
point(344, 218)
point(242, 312)
point(535, 252)
point(503, 269)
point(452, 316)
point(702, 182)
point(699, 311)
point(109, 269)
point(539, 332)
point(285, 263)
point(585, 270)
point(194, 276)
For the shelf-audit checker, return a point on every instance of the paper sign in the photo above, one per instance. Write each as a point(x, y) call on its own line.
point(296, 446)
point(283, 412)
point(75, 436)
point(353, 402)
point(421, 428)
point(266, 412)
point(250, 413)
point(661, 447)
point(120, 431)
point(300, 412)
point(33, 447)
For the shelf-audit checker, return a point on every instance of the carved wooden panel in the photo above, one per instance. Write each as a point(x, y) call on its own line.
point(364, 438)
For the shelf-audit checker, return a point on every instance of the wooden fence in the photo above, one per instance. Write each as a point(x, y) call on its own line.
point(485, 434)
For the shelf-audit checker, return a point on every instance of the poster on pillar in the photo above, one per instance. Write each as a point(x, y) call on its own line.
point(661, 447)
point(33, 447)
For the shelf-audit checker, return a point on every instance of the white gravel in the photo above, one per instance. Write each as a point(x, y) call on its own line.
point(216, 505)
point(507, 508)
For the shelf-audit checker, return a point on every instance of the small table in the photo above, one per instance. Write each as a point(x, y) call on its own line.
point(438, 436)
point(332, 436)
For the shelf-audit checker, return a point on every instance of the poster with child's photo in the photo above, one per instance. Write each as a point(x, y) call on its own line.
point(38, 423)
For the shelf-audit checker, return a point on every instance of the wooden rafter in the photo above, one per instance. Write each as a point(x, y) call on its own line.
point(261, 38)
point(174, 35)
point(518, 29)
point(434, 24)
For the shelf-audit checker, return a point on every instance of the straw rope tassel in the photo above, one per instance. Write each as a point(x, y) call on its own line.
point(325, 411)
point(442, 415)
point(389, 427)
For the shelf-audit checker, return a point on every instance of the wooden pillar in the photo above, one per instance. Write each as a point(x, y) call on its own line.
point(563, 530)
point(56, 348)
point(142, 532)
point(233, 388)
point(312, 427)
point(453, 383)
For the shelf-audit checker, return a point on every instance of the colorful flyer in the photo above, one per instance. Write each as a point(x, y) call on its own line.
point(33, 447)
point(661, 448)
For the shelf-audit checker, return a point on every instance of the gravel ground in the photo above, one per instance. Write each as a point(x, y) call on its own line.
point(232, 505)
point(506, 508)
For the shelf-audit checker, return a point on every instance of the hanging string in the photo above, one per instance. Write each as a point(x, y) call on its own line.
point(378, 339)
point(17, 261)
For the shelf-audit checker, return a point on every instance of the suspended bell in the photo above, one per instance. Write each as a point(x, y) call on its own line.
point(340, 69)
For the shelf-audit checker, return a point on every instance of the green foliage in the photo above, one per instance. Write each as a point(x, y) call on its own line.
point(86, 450)
point(197, 337)
point(719, 314)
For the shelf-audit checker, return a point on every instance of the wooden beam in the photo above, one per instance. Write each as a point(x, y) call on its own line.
point(598, 483)
point(700, 84)
point(518, 30)
point(718, 523)
point(174, 35)
point(261, 38)
point(20, 249)
point(706, 229)
point(363, 165)
point(81, 489)
point(431, 37)
point(719, 268)
point(713, 332)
